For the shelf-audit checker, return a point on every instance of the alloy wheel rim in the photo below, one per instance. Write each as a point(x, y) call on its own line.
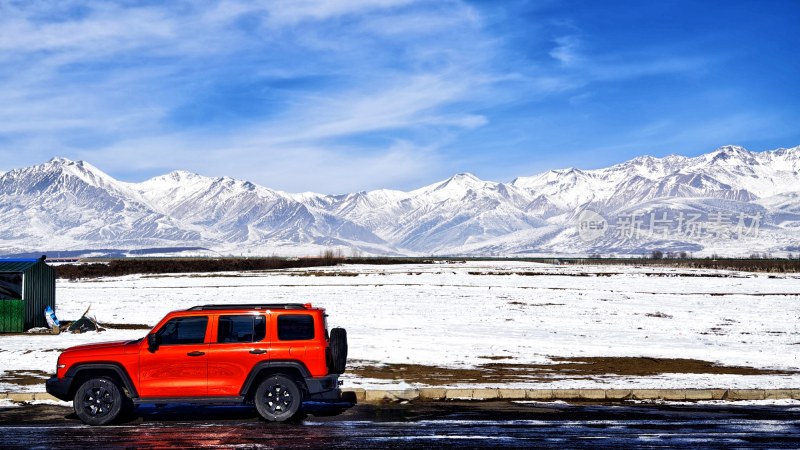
point(97, 402)
point(278, 399)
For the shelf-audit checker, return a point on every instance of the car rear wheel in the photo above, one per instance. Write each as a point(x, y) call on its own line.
point(98, 401)
point(278, 398)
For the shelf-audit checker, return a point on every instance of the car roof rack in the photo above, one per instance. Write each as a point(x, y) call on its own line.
point(256, 306)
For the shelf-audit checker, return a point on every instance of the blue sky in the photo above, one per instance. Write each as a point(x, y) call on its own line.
point(344, 95)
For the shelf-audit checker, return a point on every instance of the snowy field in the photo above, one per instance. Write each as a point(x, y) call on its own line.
point(464, 315)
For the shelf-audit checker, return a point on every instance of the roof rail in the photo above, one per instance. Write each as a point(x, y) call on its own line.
point(256, 306)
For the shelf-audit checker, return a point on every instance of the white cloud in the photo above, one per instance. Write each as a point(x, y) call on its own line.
point(402, 164)
point(106, 29)
point(291, 168)
point(566, 50)
point(292, 12)
point(632, 66)
point(409, 102)
point(451, 17)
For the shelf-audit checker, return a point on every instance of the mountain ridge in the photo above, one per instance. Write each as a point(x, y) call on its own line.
point(64, 204)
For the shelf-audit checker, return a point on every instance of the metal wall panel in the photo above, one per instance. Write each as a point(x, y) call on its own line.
point(38, 289)
point(12, 316)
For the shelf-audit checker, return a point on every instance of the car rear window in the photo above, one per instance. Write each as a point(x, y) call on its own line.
point(249, 328)
point(295, 327)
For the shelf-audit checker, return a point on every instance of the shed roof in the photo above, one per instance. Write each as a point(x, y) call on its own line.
point(17, 265)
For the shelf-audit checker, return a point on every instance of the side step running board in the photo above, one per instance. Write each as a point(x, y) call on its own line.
point(195, 400)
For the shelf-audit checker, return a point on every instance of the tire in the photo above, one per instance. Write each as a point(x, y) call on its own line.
point(128, 410)
point(278, 398)
point(98, 401)
point(338, 351)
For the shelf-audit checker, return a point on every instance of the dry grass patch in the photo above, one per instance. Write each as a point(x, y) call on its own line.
point(573, 368)
point(24, 377)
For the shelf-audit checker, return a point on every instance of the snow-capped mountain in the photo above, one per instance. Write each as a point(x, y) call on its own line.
point(439, 217)
point(63, 203)
point(728, 172)
point(729, 201)
point(230, 211)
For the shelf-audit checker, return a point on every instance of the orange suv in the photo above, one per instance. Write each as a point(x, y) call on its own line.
point(274, 356)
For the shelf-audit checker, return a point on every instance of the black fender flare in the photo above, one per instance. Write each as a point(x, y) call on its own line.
point(117, 368)
point(271, 365)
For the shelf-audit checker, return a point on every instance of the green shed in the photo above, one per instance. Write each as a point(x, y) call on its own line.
point(27, 287)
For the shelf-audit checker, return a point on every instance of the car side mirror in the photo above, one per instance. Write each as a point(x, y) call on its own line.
point(153, 341)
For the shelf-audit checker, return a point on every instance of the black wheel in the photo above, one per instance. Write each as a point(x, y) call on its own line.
point(278, 398)
point(98, 401)
point(337, 351)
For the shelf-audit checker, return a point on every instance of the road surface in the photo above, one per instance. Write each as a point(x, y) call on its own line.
point(421, 425)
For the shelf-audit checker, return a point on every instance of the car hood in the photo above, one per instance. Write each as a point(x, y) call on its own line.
point(99, 346)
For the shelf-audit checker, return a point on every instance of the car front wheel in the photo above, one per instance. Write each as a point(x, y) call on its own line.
point(98, 401)
point(278, 398)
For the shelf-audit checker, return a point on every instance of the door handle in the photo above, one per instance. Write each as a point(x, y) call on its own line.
point(258, 351)
point(196, 353)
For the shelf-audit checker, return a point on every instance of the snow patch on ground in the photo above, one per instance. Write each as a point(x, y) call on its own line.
point(50, 402)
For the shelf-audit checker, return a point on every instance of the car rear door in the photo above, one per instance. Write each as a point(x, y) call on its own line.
point(238, 345)
point(299, 336)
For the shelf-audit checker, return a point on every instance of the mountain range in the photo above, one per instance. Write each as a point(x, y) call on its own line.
point(729, 202)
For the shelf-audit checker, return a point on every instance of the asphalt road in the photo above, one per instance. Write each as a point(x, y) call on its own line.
point(420, 425)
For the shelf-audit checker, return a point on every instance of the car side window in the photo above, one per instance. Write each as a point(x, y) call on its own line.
point(295, 327)
point(184, 330)
point(249, 328)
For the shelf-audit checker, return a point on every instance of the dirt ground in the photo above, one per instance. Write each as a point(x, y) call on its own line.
point(25, 377)
point(498, 373)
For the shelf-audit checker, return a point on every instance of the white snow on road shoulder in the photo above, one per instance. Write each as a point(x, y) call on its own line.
point(775, 402)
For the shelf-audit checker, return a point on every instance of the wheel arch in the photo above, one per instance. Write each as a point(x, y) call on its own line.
point(82, 372)
point(293, 369)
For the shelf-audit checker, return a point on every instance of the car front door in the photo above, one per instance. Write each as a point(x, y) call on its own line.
point(178, 366)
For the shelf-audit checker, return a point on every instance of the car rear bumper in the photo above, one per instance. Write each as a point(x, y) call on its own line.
point(324, 389)
point(59, 387)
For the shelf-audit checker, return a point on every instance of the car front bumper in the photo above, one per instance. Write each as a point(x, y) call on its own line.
point(59, 387)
